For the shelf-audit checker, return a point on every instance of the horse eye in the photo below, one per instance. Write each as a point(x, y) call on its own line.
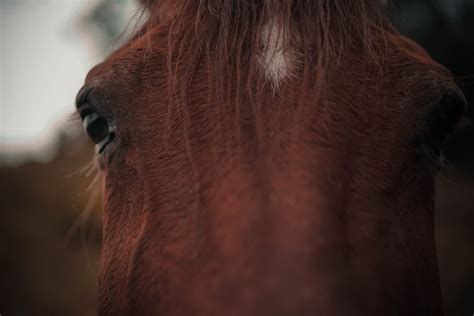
point(96, 127)
point(443, 120)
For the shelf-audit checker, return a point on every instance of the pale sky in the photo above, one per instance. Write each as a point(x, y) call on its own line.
point(43, 61)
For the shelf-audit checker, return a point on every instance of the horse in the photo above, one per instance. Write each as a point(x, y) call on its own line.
point(269, 157)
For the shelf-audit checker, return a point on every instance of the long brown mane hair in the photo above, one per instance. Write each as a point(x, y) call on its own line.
point(227, 37)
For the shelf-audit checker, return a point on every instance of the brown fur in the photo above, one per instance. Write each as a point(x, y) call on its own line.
point(225, 197)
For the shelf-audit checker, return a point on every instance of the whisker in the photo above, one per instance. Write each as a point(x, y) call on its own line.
point(86, 212)
point(73, 118)
point(88, 170)
point(466, 83)
point(463, 77)
point(96, 179)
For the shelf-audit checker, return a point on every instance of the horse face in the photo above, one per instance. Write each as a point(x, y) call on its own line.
point(316, 207)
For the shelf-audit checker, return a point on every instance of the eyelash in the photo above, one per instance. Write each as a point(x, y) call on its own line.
point(74, 118)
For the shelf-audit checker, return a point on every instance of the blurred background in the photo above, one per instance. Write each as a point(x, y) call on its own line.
point(50, 220)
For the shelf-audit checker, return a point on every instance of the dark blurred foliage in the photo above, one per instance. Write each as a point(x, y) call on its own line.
point(48, 263)
point(48, 250)
point(105, 21)
point(107, 16)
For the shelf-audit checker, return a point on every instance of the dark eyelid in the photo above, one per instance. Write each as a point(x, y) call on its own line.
point(83, 106)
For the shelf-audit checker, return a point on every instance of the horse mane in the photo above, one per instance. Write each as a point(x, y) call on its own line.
point(232, 37)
